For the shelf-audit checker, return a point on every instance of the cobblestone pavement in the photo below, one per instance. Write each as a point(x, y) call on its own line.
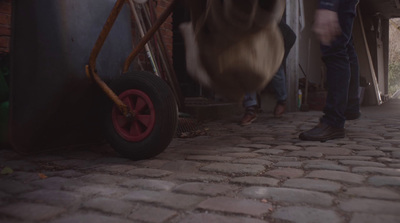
point(253, 174)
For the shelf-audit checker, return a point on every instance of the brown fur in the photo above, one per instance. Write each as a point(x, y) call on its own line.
point(239, 43)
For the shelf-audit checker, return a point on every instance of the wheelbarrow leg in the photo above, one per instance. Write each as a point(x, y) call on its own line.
point(91, 68)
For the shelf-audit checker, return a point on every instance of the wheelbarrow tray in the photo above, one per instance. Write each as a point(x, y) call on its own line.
point(53, 104)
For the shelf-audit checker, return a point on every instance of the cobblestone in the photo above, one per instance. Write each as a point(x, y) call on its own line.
point(326, 167)
point(270, 151)
point(204, 189)
point(288, 147)
point(57, 183)
point(153, 173)
point(396, 154)
point(384, 181)
point(289, 164)
point(388, 160)
point(26, 177)
point(361, 163)
point(359, 147)
point(31, 211)
point(53, 197)
point(331, 151)
point(314, 143)
point(200, 178)
point(289, 195)
point(397, 165)
point(389, 149)
point(109, 205)
point(310, 184)
point(233, 169)
point(64, 173)
point(284, 173)
point(370, 192)
point(337, 176)
point(115, 168)
point(149, 184)
point(210, 158)
point(256, 181)
point(166, 199)
point(253, 174)
point(373, 143)
point(376, 153)
point(373, 218)
point(254, 161)
point(242, 155)
point(378, 170)
point(83, 218)
point(236, 206)
point(152, 214)
point(306, 154)
point(100, 190)
point(362, 158)
point(319, 162)
point(280, 158)
point(75, 163)
point(14, 187)
point(371, 206)
point(306, 214)
point(201, 218)
point(103, 179)
point(255, 146)
point(21, 165)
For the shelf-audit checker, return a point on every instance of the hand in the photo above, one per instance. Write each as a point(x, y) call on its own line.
point(326, 26)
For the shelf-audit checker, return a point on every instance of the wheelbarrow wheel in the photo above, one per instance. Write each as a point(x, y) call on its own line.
point(152, 128)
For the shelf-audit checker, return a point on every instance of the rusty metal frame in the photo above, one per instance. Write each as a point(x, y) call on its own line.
point(90, 69)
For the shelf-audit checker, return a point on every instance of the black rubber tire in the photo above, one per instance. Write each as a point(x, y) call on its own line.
point(166, 116)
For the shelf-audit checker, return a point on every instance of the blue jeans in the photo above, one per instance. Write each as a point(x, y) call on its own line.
point(278, 83)
point(342, 70)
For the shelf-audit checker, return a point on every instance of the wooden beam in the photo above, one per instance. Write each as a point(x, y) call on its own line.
point(364, 56)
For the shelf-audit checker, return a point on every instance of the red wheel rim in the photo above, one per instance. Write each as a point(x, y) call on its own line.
point(140, 126)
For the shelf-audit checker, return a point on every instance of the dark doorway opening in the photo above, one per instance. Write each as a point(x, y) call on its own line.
point(189, 87)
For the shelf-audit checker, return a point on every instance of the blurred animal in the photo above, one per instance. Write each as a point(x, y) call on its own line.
point(234, 46)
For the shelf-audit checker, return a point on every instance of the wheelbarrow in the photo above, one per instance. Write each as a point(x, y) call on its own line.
point(52, 103)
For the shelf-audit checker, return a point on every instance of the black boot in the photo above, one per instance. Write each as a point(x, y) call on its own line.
point(322, 132)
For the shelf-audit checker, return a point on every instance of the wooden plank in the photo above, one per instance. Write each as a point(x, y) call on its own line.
point(364, 55)
point(292, 61)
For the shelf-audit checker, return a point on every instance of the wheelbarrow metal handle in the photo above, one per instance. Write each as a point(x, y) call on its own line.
point(91, 67)
point(167, 12)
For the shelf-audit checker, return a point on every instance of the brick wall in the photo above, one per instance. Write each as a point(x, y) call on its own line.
point(166, 33)
point(5, 25)
point(166, 28)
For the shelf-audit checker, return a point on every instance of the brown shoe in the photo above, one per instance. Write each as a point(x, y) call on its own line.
point(279, 109)
point(249, 116)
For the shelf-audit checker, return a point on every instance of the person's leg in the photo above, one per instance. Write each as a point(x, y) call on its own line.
point(278, 83)
point(353, 102)
point(338, 64)
point(250, 104)
point(250, 100)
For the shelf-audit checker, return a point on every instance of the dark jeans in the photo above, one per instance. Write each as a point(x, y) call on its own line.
point(342, 70)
